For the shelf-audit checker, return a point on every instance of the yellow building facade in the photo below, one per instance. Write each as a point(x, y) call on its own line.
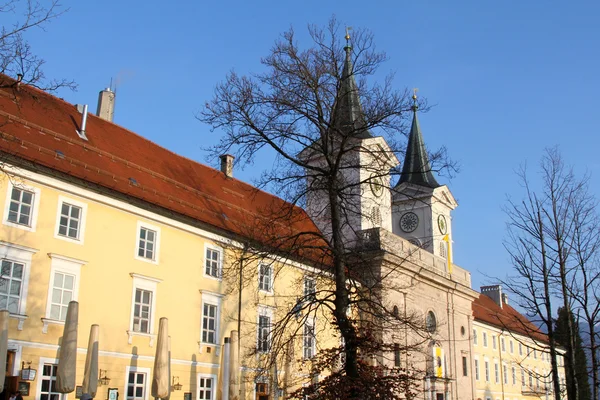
point(509, 363)
point(127, 268)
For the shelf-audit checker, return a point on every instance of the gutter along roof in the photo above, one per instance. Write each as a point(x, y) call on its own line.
point(42, 129)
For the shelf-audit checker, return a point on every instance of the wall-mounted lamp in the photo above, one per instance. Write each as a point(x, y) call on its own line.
point(103, 380)
point(176, 386)
point(27, 374)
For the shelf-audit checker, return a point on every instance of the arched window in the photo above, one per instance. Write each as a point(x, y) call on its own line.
point(431, 322)
point(396, 312)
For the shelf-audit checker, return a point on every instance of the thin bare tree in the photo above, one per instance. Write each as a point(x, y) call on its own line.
point(313, 109)
point(549, 244)
point(17, 59)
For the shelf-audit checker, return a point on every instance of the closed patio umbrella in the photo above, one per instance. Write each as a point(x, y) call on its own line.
point(161, 384)
point(4, 316)
point(67, 360)
point(90, 375)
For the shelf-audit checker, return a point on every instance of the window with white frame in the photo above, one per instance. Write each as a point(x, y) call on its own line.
point(514, 376)
point(63, 289)
point(48, 383)
point(522, 376)
point(511, 346)
point(484, 335)
point(14, 280)
point(265, 320)
point(136, 385)
point(505, 374)
point(142, 310)
point(487, 371)
point(265, 277)
point(475, 337)
point(502, 344)
point(143, 304)
point(11, 285)
point(476, 369)
point(212, 262)
point(206, 387)
point(70, 219)
point(496, 372)
point(309, 339)
point(494, 345)
point(211, 306)
point(310, 288)
point(65, 274)
point(520, 349)
point(148, 242)
point(22, 205)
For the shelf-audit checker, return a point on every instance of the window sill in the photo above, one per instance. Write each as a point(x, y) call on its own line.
point(48, 321)
point(131, 334)
point(266, 292)
point(214, 278)
point(20, 226)
point(21, 319)
point(146, 260)
point(68, 239)
point(209, 348)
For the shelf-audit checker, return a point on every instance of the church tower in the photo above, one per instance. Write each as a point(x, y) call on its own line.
point(364, 168)
point(421, 211)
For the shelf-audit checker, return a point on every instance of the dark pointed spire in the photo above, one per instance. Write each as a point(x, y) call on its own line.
point(348, 115)
point(416, 169)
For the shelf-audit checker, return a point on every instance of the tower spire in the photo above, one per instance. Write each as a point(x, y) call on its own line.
point(347, 116)
point(416, 169)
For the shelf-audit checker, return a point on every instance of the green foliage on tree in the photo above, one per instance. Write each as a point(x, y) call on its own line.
point(579, 371)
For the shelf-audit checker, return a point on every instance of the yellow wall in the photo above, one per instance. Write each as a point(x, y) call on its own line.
point(531, 357)
point(106, 287)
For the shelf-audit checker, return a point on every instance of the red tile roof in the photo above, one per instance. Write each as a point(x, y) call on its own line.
point(488, 311)
point(42, 128)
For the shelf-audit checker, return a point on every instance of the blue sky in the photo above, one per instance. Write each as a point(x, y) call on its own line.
point(507, 80)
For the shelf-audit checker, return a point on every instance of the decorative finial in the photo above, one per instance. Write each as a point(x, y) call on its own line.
point(348, 29)
point(415, 107)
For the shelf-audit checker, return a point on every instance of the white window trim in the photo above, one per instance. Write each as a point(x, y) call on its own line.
point(215, 384)
point(82, 219)
point(272, 278)
point(34, 212)
point(145, 283)
point(214, 299)
point(476, 369)
point(219, 268)
point(266, 311)
point(22, 254)
point(67, 265)
point(145, 370)
point(41, 362)
point(140, 225)
point(475, 337)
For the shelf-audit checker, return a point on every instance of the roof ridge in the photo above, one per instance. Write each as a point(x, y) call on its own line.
point(245, 185)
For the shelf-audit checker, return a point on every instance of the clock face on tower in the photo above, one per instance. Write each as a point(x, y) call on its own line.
point(442, 224)
point(409, 222)
point(376, 184)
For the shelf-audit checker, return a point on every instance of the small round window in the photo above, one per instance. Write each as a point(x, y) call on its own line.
point(431, 322)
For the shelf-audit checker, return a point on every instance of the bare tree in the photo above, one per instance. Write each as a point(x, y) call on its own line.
point(16, 56)
point(548, 245)
point(306, 109)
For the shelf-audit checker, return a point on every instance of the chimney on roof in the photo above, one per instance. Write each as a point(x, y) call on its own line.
point(106, 104)
point(494, 292)
point(227, 165)
point(504, 298)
